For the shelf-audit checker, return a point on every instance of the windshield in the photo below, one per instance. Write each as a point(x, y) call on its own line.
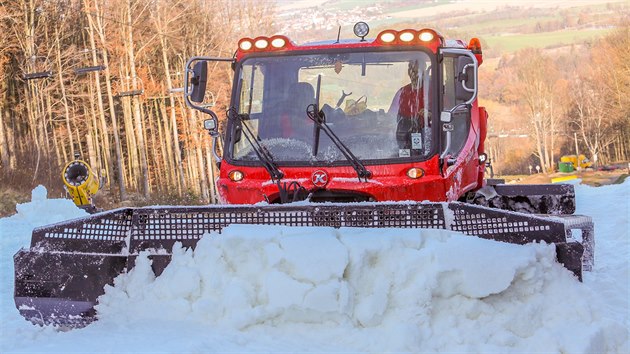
point(373, 101)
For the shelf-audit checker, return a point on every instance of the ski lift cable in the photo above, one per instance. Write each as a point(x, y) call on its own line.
point(111, 19)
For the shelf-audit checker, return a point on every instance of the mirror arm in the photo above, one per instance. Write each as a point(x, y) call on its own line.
point(448, 144)
point(217, 158)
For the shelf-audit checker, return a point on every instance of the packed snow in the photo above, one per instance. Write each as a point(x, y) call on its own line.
point(317, 289)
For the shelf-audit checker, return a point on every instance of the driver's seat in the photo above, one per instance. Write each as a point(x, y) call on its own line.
point(293, 113)
point(287, 116)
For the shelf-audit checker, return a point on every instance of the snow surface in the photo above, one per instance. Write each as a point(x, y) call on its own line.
point(308, 289)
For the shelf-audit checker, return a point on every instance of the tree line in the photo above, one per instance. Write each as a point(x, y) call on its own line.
point(578, 100)
point(103, 79)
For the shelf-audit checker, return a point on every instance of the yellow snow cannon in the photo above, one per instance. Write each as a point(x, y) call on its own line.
point(81, 183)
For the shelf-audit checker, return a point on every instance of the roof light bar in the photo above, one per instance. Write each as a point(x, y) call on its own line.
point(426, 36)
point(278, 42)
point(245, 44)
point(261, 43)
point(409, 36)
point(388, 37)
point(406, 36)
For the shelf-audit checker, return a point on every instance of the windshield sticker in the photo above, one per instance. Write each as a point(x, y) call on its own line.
point(416, 141)
point(404, 153)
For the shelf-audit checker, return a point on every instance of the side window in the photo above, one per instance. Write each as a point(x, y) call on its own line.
point(460, 123)
point(448, 83)
point(253, 79)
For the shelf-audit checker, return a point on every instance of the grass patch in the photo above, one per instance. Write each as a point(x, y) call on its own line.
point(9, 199)
point(621, 179)
point(513, 43)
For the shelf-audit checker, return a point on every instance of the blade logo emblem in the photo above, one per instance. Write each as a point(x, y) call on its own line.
point(319, 178)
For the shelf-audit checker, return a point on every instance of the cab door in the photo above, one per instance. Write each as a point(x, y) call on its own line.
point(459, 132)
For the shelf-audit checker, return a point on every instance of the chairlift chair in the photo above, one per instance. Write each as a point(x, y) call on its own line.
point(88, 69)
point(132, 93)
point(36, 75)
point(84, 67)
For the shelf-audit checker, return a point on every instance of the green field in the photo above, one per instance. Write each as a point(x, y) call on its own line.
point(503, 25)
point(511, 43)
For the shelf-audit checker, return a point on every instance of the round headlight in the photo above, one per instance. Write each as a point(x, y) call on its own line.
point(415, 173)
point(388, 37)
point(236, 175)
point(261, 43)
point(406, 36)
point(426, 36)
point(361, 29)
point(245, 45)
point(278, 42)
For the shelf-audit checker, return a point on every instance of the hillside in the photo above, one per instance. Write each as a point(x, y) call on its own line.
point(503, 26)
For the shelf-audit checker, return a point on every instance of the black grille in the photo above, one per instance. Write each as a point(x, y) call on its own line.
point(161, 227)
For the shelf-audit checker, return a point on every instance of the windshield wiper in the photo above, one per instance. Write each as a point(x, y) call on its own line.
point(261, 151)
point(319, 118)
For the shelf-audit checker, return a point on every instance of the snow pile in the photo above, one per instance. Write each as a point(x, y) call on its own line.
point(423, 290)
point(41, 211)
point(279, 289)
point(610, 208)
point(15, 233)
point(15, 230)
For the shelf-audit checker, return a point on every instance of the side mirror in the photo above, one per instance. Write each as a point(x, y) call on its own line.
point(211, 125)
point(466, 79)
point(198, 81)
point(446, 116)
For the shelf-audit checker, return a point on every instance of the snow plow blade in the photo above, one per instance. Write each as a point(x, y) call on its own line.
point(553, 199)
point(59, 279)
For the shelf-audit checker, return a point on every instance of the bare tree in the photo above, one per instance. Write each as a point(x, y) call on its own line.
point(537, 80)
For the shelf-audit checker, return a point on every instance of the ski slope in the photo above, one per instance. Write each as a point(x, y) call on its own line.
point(309, 289)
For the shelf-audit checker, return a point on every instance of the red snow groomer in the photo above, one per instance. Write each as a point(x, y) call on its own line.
point(391, 124)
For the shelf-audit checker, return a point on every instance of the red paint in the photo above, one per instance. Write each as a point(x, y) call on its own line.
point(388, 181)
